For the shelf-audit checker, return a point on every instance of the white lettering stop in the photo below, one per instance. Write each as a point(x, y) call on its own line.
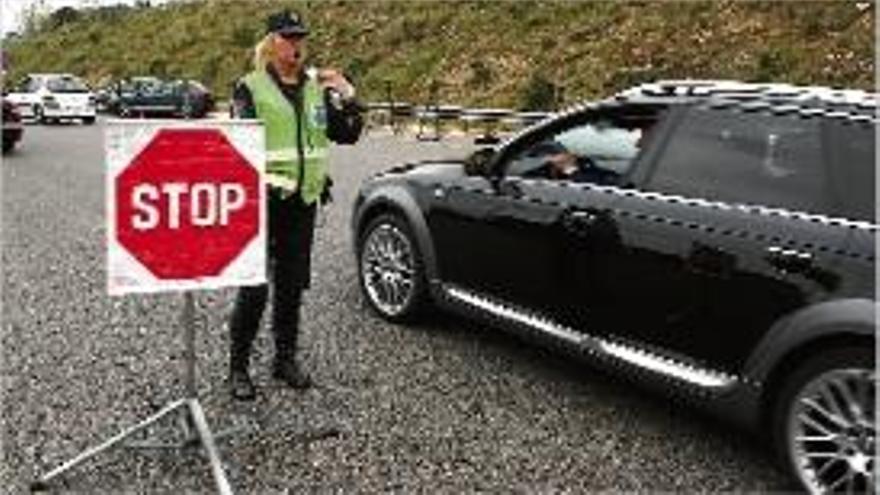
point(210, 204)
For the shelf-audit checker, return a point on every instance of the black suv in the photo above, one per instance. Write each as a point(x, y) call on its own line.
point(713, 239)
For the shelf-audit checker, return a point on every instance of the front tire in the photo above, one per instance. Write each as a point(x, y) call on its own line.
point(39, 116)
point(823, 421)
point(390, 268)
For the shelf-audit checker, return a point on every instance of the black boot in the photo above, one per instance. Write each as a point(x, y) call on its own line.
point(288, 370)
point(249, 305)
point(240, 385)
point(285, 326)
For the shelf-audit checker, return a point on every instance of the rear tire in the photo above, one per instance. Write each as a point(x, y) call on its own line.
point(390, 268)
point(823, 421)
point(8, 145)
point(88, 120)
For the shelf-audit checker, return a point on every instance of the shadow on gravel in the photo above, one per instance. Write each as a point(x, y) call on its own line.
point(556, 364)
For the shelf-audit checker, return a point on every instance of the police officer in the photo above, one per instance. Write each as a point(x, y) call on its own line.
point(302, 111)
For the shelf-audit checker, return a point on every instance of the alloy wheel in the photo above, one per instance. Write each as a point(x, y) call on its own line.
point(388, 269)
point(832, 433)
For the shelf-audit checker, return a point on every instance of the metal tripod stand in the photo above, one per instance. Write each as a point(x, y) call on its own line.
point(190, 415)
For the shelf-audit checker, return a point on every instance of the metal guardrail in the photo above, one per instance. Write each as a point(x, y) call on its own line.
point(488, 119)
point(454, 112)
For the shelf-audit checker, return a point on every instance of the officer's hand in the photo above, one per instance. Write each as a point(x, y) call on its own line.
point(326, 194)
point(332, 78)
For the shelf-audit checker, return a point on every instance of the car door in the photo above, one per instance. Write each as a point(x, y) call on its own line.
point(494, 240)
point(168, 96)
point(152, 95)
point(593, 265)
point(722, 239)
point(499, 236)
point(531, 237)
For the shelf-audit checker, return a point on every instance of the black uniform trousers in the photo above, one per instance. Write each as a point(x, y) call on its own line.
point(291, 230)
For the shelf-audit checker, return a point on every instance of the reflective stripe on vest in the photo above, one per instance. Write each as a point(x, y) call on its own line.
point(279, 119)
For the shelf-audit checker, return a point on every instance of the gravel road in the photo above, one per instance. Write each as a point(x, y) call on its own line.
point(445, 406)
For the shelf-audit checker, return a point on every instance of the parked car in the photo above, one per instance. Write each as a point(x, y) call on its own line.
point(142, 96)
point(12, 128)
point(714, 240)
point(105, 97)
point(54, 97)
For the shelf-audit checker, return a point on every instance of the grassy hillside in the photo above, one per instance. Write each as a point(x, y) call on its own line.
point(490, 53)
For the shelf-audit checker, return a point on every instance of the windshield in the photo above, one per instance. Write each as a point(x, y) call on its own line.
point(67, 84)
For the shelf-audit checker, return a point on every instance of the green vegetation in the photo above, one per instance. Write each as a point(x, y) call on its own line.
point(522, 54)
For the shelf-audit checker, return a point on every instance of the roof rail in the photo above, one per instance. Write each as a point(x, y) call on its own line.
point(733, 89)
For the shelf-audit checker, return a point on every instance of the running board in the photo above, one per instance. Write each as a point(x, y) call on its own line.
point(700, 377)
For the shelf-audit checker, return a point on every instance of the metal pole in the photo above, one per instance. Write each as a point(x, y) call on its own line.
point(189, 336)
point(42, 483)
point(434, 91)
point(207, 438)
point(390, 99)
point(192, 418)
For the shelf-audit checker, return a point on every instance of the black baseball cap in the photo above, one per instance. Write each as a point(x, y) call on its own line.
point(286, 23)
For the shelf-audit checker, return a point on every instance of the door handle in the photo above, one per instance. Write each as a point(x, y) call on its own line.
point(579, 222)
point(710, 261)
point(789, 260)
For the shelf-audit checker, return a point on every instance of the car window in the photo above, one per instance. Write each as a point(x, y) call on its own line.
point(611, 147)
point(31, 85)
point(746, 158)
point(144, 85)
point(599, 151)
point(66, 84)
point(127, 86)
point(164, 87)
point(852, 170)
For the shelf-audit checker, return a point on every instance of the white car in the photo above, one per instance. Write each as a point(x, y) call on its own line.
point(53, 97)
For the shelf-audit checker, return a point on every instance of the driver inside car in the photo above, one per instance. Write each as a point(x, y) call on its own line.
point(562, 164)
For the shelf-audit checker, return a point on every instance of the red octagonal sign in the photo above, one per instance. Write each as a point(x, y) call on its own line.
point(187, 204)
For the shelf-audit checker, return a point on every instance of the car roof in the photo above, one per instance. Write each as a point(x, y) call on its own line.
point(779, 98)
point(775, 97)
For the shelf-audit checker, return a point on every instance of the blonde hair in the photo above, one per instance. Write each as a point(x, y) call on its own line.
point(264, 52)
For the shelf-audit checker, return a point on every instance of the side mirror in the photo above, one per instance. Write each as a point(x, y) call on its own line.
point(478, 162)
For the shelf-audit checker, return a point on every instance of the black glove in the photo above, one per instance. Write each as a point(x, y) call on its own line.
point(326, 194)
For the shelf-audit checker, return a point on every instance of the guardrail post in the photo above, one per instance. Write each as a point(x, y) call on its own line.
point(434, 90)
point(389, 97)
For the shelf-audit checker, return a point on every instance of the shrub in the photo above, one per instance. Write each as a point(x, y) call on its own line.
point(538, 94)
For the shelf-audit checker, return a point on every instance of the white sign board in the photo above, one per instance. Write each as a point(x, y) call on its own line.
point(186, 205)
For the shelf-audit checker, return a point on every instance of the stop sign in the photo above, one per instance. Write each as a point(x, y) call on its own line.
point(187, 205)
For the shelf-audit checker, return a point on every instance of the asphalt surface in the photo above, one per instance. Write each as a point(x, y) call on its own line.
point(447, 405)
